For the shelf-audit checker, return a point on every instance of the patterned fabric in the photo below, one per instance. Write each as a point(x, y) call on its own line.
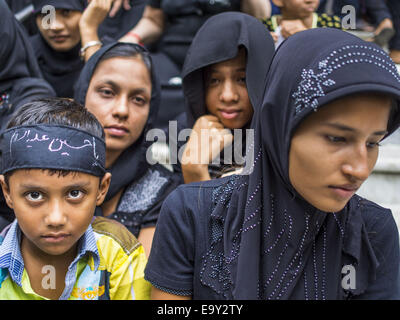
point(319, 21)
point(141, 201)
point(109, 265)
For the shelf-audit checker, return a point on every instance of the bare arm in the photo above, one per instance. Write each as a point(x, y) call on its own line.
point(261, 9)
point(146, 239)
point(157, 294)
point(149, 28)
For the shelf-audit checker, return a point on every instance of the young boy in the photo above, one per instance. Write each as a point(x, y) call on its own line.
point(296, 16)
point(53, 177)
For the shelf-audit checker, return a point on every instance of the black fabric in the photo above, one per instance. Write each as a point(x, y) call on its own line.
point(20, 77)
point(209, 47)
point(60, 69)
point(131, 164)
point(122, 22)
point(52, 147)
point(262, 239)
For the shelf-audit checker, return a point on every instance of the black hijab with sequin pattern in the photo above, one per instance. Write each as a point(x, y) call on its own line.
point(132, 163)
point(272, 244)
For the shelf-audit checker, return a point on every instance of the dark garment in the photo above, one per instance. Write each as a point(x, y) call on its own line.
point(182, 260)
point(394, 7)
point(263, 240)
point(124, 21)
point(375, 11)
point(130, 169)
point(60, 69)
point(29, 23)
point(140, 203)
point(210, 47)
point(183, 20)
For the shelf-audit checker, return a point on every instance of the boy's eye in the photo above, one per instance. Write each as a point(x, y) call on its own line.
point(75, 194)
point(34, 196)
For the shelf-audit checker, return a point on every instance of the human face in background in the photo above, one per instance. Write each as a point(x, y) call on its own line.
point(53, 211)
point(334, 150)
point(63, 34)
point(119, 96)
point(226, 92)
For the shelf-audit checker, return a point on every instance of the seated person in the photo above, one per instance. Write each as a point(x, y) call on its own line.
point(20, 78)
point(59, 42)
point(292, 227)
point(221, 83)
point(298, 16)
point(53, 177)
point(120, 87)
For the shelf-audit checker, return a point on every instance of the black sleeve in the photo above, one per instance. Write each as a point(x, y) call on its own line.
point(384, 237)
point(171, 262)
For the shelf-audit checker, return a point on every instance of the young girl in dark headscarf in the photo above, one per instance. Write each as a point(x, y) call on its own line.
point(57, 47)
point(293, 227)
point(119, 86)
point(222, 82)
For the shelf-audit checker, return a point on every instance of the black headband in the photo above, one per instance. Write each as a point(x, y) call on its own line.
point(55, 147)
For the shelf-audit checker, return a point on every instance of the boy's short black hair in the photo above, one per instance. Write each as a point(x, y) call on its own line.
point(57, 111)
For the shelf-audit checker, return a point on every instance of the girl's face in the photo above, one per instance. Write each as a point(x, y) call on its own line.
point(334, 150)
point(226, 92)
point(119, 96)
point(63, 34)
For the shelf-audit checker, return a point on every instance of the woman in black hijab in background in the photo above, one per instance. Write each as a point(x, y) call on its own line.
point(58, 58)
point(223, 79)
point(293, 227)
point(109, 89)
point(20, 78)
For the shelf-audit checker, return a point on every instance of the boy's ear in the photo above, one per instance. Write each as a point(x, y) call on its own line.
point(278, 3)
point(103, 189)
point(6, 191)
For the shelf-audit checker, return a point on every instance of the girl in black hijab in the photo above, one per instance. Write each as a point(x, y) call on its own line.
point(119, 86)
point(20, 76)
point(292, 227)
point(57, 47)
point(20, 79)
point(223, 79)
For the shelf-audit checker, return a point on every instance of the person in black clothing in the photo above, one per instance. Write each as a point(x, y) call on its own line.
point(291, 226)
point(119, 86)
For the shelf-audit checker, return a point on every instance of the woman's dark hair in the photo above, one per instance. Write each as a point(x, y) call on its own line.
point(61, 111)
point(128, 50)
point(57, 111)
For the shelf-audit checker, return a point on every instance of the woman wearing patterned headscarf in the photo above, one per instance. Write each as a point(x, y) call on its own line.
point(292, 227)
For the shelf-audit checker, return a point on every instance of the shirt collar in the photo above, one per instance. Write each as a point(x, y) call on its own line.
point(11, 257)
